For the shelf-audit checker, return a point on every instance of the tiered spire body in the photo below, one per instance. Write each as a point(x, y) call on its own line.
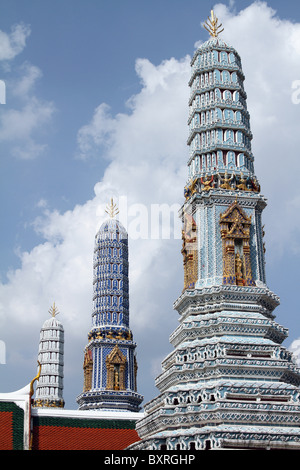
point(229, 382)
point(49, 390)
point(110, 365)
point(219, 123)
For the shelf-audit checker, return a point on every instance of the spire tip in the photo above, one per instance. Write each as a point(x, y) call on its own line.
point(212, 26)
point(112, 210)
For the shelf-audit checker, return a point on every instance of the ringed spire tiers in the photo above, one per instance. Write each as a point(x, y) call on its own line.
point(229, 383)
point(49, 390)
point(110, 365)
point(219, 123)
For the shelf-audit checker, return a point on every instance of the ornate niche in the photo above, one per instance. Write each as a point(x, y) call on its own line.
point(235, 233)
point(189, 252)
point(115, 366)
point(87, 370)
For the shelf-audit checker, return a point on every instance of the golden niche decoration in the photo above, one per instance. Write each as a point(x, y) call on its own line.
point(189, 252)
point(235, 233)
point(115, 366)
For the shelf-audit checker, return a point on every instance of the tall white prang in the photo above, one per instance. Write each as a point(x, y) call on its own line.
point(49, 389)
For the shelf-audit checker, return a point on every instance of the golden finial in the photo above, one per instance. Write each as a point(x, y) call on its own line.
point(212, 25)
point(112, 210)
point(53, 310)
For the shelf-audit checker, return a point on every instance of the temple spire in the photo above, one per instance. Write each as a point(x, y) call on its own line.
point(229, 383)
point(49, 391)
point(211, 25)
point(110, 366)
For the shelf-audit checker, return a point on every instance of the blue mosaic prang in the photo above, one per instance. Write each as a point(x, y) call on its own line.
point(110, 323)
point(228, 383)
point(111, 283)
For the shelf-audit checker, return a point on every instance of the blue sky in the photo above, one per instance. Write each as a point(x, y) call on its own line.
point(94, 91)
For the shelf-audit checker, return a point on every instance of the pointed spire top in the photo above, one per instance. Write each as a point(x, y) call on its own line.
point(211, 25)
point(112, 210)
point(53, 310)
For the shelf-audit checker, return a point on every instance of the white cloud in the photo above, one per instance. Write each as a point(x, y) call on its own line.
point(152, 134)
point(21, 124)
point(29, 75)
point(24, 114)
point(18, 124)
point(13, 44)
point(295, 349)
point(148, 165)
point(91, 136)
point(146, 153)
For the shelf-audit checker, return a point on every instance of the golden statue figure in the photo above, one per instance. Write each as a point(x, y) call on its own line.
point(129, 335)
point(242, 184)
point(191, 188)
point(226, 182)
point(116, 379)
point(239, 269)
point(207, 183)
point(256, 185)
point(120, 336)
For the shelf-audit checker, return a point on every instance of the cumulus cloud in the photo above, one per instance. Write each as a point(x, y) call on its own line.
point(295, 348)
point(29, 74)
point(13, 44)
point(97, 133)
point(21, 123)
point(24, 114)
point(123, 135)
point(146, 155)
